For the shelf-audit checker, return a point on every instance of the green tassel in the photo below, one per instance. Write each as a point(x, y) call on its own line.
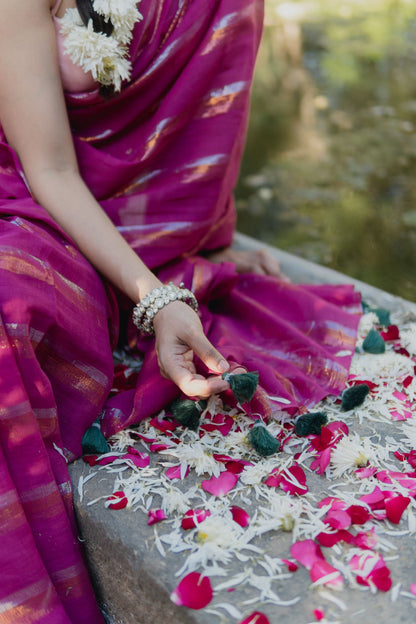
point(242, 386)
point(187, 412)
point(262, 440)
point(93, 441)
point(382, 314)
point(374, 342)
point(305, 424)
point(354, 396)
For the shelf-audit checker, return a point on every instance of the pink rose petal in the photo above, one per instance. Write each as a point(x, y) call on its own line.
point(412, 589)
point(321, 463)
point(218, 486)
point(375, 500)
point(174, 472)
point(256, 618)
point(307, 552)
point(338, 519)
point(194, 591)
point(157, 447)
point(141, 460)
point(119, 500)
point(321, 569)
point(318, 614)
point(366, 540)
point(378, 576)
point(335, 503)
point(366, 472)
point(240, 516)
point(193, 517)
point(156, 515)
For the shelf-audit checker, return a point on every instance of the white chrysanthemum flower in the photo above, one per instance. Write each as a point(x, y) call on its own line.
point(123, 15)
point(385, 366)
point(253, 475)
point(367, 321)
point(408, 338)
point(352, 452)
point(96, 53)
point(281, 514)
point(195, 456)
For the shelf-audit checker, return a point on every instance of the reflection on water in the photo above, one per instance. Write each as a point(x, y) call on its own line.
point(330, 166)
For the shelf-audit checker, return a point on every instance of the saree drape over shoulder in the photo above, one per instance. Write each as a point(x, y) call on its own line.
point(162, 158)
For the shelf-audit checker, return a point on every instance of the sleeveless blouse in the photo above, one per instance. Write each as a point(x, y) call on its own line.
point(74, 79)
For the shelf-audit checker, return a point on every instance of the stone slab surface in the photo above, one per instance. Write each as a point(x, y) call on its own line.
point(133, 582)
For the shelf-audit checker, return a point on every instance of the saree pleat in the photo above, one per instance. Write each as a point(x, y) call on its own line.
point(162, 158)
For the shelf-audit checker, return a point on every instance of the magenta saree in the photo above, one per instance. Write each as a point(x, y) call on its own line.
point(162, 158)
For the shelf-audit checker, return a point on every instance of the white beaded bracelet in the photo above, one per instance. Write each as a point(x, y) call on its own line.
point(145, 311)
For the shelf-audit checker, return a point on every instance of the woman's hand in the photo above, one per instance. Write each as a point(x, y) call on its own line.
point(179, 335)
point(259, 261)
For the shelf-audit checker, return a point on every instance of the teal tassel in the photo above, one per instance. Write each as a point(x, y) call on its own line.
point(354, 396)
point(374, 342)
point(187, 412)
point(382, 314)
point(262, 440)
point(93, 441)
point(312, 422)
point(242, 386)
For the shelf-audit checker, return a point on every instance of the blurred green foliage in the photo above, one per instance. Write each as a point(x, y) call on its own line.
point(330, 166)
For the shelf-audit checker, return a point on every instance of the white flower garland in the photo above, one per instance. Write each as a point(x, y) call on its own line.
point(104, 56)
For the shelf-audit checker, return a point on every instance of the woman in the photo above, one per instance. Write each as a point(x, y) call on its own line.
point(153, 149)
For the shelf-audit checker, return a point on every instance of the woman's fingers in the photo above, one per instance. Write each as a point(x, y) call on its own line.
point(260, 262)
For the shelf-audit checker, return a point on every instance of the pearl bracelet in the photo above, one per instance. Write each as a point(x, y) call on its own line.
point(145, 311)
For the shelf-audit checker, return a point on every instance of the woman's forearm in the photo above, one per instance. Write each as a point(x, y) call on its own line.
point(68, 200)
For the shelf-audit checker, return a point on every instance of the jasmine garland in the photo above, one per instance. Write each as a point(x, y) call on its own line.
point(104, 56)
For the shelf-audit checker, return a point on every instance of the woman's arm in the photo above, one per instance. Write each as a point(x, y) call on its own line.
point(34, 119)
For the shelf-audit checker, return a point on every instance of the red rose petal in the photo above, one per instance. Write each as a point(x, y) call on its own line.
point(218, 486)
point(220, 422)
point(391, 333)
point(194, 591)
point(90, 459)
point(330, 539)
point(120, 500)
point(412, 459)
point(193, 517)
point(291, 565)
point(156, 447)
point(104, 461)
point(358, 514)
point(166, 426)
point(156, 515)
point(395, 507)
point(240, 516)
point(297, 485)
point(256, 618)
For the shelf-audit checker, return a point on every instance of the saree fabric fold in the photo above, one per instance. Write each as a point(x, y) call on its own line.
point(162, 158)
